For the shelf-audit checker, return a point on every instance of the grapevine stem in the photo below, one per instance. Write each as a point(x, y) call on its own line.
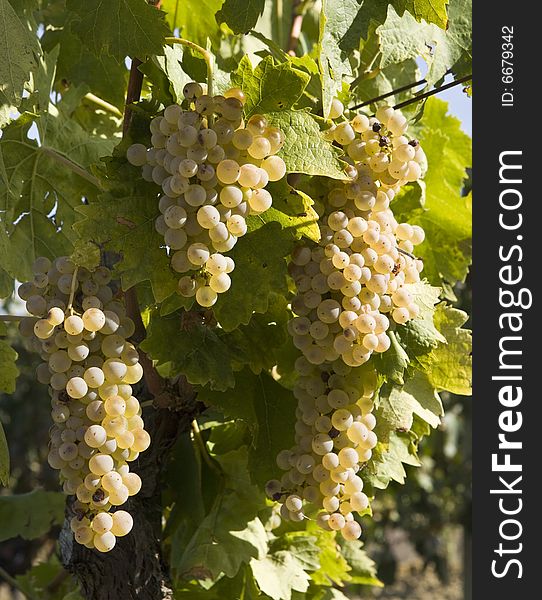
point(207, 56)
point(72, 290)
point(388, 94)
point(15, 584)
point(434, 91)
point(103, 104)
point(10, 318)
point(83, 173)
point(295, 29)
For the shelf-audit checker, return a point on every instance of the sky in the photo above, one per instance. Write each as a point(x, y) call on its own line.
point(460, 105)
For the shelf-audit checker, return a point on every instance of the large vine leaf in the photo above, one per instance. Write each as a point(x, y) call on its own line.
point(447, 217)
point(8, 368)
point(403, 37)
point(432, 11)
point(198, 352)
point(449, 366)
point(240, 15)
point(119, 28)
point(40, 184)
point(305, 150)
point(18, 49)
point(398, 405)
point(195, 19)
point(231, 534)
point(284, 569)
point(269, 411)
point(260, 269)
point(269, 87)
point(30, 515)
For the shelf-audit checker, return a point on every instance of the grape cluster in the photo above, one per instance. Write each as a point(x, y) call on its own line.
point(80, 332)
point(213, 169)
point(351, 287)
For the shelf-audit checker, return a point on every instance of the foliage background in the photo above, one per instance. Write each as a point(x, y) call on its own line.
point(62, 185)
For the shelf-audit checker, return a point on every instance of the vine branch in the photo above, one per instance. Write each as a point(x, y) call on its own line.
point(295, 29)
point(15, 584)
point(434, 91)
point(103, 104)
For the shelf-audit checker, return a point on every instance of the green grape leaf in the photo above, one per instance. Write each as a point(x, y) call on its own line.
point(305, 150)
point(447, 218)
point(40, 578)
point(195, 20)
point(166, 75)
point(119, 28)
point(449, 366)
point(37, 178)
point(199, 353)
point(19, 49)
point(363, 567)
point(285, 567)
point(240, 15)
point(389, 458)
point(403, 38)
point(8, 368)
point(269, 411)
point(392, 363)
point(260, 269)
point(230, 534)
point(293, 209)
point(103, 75)
point(338, 36)
point(270, 87)
point(4, 458)
point(420, 334)
point(333, 566)
point(30, 515)
point(398, 405)
point(432, 11)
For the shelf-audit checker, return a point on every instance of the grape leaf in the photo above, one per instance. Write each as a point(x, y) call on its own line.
point(388, 459)
point(240, 15)
point(30, 515)
point(392, 363)
point(103, 75)
point(260, 269)
point(166, 75)
point(333, 565)
point(195, 20)
point(449, 366)
point(403, 38)
point(284, 568)
point(363, 568)
point(198, 352)
point(119, 28)
point(305, 150)
point(270, 87)
point(230, 534)
point(432, 11)
point(125, 225)
point(8, 368)
point(269, 411)
point(447, 219)
point(398, 405)
point(19, 49)
point(293, 210)
point(40, 186)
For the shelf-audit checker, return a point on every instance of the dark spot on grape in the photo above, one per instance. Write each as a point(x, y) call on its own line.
point(414, 143)
point(277, 496)
point(377, 127)
point(98, 495)
point(384, 141)
point(324, 376)
point(333, 433)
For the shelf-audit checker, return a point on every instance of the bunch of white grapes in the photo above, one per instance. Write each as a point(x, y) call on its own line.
point(213, 169)
point(350, 288)
point(81, 333)
point(333, 438)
